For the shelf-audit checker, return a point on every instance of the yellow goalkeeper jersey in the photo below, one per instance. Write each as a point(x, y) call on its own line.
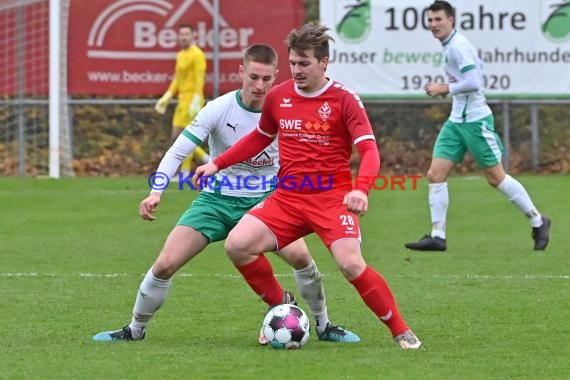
point(190, 74)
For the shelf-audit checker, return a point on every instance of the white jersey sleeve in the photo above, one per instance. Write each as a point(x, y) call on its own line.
point(461, 58)
point(173, 157)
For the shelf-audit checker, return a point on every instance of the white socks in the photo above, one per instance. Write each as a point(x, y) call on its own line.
point(513, 190)
point(438, 203)
point(310, 285)
point(517, 194)
point(151, 295)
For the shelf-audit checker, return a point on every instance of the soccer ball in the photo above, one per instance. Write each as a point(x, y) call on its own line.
point(286, 327)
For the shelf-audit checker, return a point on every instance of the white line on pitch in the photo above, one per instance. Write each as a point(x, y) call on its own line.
point(442, 276)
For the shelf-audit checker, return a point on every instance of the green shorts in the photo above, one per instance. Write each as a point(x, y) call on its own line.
point(477, 137)
point(214, 215)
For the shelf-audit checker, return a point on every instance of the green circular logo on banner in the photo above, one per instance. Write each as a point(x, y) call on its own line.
point(557, 24)
point(354, 25)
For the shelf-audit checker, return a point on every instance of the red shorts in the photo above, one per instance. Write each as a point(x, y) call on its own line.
point(291, 215)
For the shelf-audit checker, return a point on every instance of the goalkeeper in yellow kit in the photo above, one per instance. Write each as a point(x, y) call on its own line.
point(188, 85)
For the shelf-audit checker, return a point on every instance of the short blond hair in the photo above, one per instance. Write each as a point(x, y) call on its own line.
point(260, 53)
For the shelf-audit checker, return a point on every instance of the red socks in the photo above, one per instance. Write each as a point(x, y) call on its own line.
point(377, 295)
point(259, 276)
point(370, 285)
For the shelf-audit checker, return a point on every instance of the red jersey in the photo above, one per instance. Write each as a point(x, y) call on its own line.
point(315, 131)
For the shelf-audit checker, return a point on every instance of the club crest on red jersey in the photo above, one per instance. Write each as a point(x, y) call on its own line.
point(325, 111)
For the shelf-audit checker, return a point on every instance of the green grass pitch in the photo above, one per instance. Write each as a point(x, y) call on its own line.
point(73, 253)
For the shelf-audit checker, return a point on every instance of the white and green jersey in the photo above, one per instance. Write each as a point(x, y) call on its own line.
point(224, 121)
point(461, 57)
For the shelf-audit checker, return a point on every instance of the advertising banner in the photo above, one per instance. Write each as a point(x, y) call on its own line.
point(128, 47)
point(384, 48)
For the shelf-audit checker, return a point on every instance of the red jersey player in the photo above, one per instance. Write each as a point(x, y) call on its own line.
point(316, 120)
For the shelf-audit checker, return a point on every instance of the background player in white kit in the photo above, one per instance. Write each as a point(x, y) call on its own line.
point(217, 210)
point(470, 127)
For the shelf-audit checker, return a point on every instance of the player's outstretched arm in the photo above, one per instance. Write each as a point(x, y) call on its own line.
point(180, 149)
point(246, 147)
point(207, 170)
point(149, 205)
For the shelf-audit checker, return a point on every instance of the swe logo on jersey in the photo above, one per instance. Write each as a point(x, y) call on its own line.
point(290, 124)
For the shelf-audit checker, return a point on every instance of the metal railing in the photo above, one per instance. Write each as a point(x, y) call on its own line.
point(525, 125)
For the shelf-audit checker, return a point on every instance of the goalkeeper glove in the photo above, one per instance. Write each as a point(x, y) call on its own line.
point(194, 106)
point(162, 103)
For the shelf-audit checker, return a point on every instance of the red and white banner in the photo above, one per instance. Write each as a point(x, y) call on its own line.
point(128, 47)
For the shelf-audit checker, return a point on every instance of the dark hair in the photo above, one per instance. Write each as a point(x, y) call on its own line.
point(309, 36)
point(260, 53)
point(441, 5)
point(181, 26)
